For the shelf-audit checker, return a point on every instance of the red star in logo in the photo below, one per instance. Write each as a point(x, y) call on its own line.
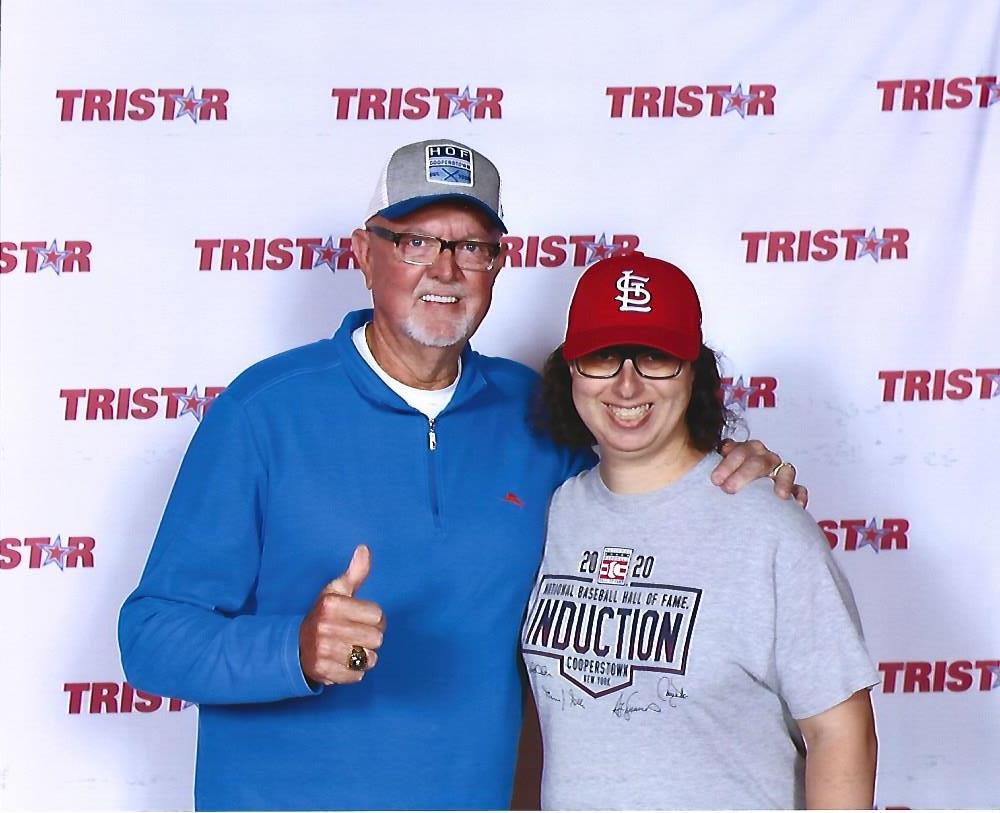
point(600, 249)
point(738, 101)
point(464, 103)
point(871, 536)
point(51, 257)
point(870, 245)
point(55, 553)
point(193, 403)
point(327, 255)
point(738, 393)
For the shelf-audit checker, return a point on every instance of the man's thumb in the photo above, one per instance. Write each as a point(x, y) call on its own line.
point(357, 571)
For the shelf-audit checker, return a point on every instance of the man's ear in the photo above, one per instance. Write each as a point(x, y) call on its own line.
point(361, 246)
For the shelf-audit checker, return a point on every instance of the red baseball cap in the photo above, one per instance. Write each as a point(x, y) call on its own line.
point(634, 299)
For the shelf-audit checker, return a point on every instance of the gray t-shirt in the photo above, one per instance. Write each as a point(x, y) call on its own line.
point(674, 637)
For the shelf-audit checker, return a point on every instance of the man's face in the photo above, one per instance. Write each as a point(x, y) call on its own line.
point(437, 305)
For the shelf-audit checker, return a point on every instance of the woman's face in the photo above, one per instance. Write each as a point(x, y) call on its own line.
point(633, 416)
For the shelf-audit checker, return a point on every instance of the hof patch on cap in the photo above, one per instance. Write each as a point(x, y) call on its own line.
point(449, 164)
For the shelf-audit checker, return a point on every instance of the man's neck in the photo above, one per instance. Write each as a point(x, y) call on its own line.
point(416, 365)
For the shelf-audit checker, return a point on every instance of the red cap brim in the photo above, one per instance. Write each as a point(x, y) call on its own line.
point(685, 346)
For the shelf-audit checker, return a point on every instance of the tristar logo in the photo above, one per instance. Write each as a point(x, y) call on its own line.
point(889, 534)
point(633, 296)
point(38, 552)
point(141, 403)
point(938, 94)
point(940, 385)
point(39, 255)
point(758, 391)
point(117, 698)
point(122, 104)
point(449, 164)
point(940, 676)
point(274, 253)
point(688, 101)
point(417, 103)
point(607, 625)
point(822, 245)
point(555, 250)
point(614, 566)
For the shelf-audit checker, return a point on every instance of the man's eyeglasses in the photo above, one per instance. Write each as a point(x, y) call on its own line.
point(422, 249)
point(608, 362)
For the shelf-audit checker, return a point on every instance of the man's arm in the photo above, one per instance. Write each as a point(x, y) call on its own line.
point(528, 770)
point(190, 629)
point(841, 749)
point(746, 461)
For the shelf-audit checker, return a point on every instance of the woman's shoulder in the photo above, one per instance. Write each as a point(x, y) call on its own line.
point(784, 522)
point(575, 488)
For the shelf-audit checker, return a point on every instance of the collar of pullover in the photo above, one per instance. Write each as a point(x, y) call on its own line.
point(375, 389)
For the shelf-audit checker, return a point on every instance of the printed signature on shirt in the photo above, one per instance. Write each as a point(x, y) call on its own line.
point(539, 669)
point(567, 698)
point(666, 690)
point(624, 709)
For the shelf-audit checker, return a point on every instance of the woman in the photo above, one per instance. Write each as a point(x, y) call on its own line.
point(687, 648)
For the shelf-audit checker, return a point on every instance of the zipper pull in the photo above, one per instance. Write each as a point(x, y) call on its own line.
point(432, 438)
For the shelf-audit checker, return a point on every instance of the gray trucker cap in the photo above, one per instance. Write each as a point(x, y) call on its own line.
point(430, 171)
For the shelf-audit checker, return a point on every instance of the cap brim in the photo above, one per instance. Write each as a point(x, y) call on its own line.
point(683, 345)
point(409, 206)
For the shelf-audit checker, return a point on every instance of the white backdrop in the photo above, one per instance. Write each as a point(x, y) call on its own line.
point(841, 339)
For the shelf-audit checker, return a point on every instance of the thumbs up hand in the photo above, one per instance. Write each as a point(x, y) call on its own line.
point(338, 622)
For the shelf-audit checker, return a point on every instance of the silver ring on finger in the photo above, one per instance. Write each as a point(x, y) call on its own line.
point(774, 472)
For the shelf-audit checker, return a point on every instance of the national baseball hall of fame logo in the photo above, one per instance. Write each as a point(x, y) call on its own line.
point(611, 622)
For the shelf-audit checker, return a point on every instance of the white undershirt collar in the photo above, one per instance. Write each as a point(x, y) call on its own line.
point(429, 402)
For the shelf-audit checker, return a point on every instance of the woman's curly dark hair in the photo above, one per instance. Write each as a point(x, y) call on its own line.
point(707, 416)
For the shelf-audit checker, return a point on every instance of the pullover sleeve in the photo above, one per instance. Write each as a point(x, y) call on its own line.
point(190, 629)
point(577, 460)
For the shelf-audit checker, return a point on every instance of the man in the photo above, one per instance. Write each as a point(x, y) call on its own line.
point(395, 456)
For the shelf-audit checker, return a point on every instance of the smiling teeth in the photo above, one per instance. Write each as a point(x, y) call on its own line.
point(445, 300)
point(630, 413)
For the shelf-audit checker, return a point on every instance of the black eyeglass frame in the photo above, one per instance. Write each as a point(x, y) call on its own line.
point(629, 353)
point(493, 249)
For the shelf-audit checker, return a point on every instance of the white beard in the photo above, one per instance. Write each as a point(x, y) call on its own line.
point(454, 333)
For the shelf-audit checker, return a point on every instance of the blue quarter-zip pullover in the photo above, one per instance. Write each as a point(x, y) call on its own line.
point(306, 455)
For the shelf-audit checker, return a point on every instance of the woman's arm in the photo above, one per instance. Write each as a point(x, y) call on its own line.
point(840, 755)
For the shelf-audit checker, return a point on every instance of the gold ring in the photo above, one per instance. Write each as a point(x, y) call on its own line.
point(779, 467)
point(357, 661)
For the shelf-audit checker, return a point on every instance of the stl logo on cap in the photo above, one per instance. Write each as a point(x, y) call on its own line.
point(449, 164)
point(634, 296)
